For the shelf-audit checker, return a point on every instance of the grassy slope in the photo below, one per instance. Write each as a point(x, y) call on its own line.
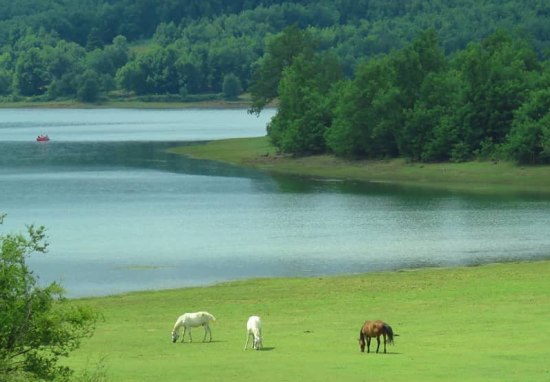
point(143, 46)
point(472, 176)
point(486, 323)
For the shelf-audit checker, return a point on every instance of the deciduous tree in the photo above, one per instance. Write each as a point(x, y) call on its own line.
point(280, 54)
point(38, 325)
point(231, 86)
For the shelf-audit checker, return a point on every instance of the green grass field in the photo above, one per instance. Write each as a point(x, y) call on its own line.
point(478, 177)
point(487, 323)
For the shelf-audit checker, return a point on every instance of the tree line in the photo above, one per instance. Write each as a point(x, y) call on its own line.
point(489, 100)
point(86, 49)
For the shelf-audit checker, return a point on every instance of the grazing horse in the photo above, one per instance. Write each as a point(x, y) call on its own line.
point(192, 320)
point(375, 329)
point(254, 328)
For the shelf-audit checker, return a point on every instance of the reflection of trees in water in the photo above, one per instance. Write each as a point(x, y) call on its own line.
point(144, 155)
point(153, 155)
point(342, 227)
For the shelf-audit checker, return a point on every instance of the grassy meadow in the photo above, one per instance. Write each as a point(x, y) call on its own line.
point(487, 323)
point(478, 177)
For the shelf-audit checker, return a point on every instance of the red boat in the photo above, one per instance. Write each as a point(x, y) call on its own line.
point(42, 138)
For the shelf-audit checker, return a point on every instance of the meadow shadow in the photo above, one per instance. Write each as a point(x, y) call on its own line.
point(388, 353)
point(267, 349)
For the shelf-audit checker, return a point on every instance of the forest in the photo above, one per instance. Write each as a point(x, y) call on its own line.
point(427, 80)
point(488, 101)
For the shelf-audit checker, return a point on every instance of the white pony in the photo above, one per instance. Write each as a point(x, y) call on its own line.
point(254, 328)
point(192, 320)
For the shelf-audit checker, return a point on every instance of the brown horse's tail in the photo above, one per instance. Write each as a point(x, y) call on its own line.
point(362, 340)
point(389, 332)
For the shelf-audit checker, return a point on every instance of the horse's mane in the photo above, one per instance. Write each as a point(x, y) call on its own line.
point(389, 331)
point(177, 324)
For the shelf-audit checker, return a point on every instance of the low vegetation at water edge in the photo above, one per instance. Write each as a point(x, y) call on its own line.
point(480, 177)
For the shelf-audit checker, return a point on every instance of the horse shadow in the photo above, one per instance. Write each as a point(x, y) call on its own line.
point(267, 349)
point(388, 353)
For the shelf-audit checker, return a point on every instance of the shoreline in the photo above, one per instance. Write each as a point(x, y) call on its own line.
point(489, 178)
point(243, 102)
point(127, 105)
point(335, 276)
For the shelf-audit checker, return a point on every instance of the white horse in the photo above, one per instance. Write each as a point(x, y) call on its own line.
point(192, 320)
point(254, 328)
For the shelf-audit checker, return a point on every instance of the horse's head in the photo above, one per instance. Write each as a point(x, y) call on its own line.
point(362, 344)
point(257, 342)
point(174, 336)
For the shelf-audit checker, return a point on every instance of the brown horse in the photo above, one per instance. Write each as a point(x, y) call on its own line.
point(375, 329)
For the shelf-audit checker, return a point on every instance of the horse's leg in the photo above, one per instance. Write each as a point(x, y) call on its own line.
point(183, 335)
point(261, 344)
point(378, 340)
point(247, 338)
point(190, 337)
point(207, 330)
point(368, 344)
point(384, 343)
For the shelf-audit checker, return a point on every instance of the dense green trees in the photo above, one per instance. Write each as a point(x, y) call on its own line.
point(45, 67)
point(489, 100)
point(529, 138)
point(304, 111)
point(430, 81)
point(89, 87)
point(364, 113)
point(383, 111)
point(31, 76)
point(280, 53)
point(204, 41)
point(231, 86)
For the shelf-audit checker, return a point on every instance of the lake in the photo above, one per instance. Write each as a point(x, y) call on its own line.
point(123, 215)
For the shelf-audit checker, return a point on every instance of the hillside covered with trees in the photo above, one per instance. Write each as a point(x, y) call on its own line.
point(64, 49)
point(428, 80)
point(490, 101)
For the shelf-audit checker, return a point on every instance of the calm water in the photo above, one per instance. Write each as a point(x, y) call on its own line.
point(123, 215)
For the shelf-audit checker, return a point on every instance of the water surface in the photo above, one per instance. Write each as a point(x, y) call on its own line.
point(124, 215)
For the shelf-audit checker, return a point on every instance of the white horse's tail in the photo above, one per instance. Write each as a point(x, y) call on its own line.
point(211, 317)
